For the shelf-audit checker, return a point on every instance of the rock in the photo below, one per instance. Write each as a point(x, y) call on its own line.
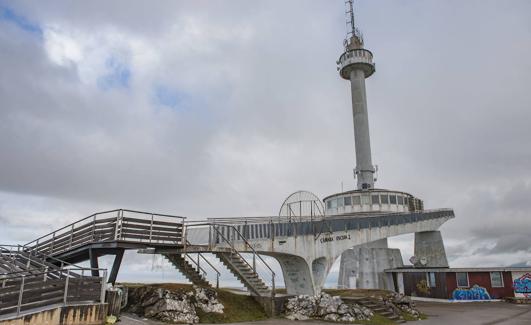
point(173, 306)
point(177, 317)
point(347, 318)
point(343, 309)
point(206, 299)
point(325, 307)
point(328, 304)
point(331, 317)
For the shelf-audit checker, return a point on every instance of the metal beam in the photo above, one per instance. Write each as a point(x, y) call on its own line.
point(93, 256)
point(116, 266)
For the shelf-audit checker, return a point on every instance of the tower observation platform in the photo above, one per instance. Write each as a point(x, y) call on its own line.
point(363, 265)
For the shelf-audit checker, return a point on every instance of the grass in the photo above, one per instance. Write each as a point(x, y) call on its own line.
point(238, 308)
point(376, 320)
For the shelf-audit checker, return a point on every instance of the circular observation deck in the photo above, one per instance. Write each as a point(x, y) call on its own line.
point(373, 200)
point(355, 59)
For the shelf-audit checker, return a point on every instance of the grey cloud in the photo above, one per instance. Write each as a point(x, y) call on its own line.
point(266, 112)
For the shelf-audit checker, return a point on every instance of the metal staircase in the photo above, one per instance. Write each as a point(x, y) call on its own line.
point(244, 272)
point(196, 275)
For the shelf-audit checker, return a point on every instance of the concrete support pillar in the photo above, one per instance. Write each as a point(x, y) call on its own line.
point(363, 266)
point(303, 277)
point(297, 274)
point(429, 249)
point(400, 282)
point(320, 269)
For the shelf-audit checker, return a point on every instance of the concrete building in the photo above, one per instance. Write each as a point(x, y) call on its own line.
point(363, 266)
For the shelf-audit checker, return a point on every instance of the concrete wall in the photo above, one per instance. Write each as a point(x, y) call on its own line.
point(429, 247)
point(362, 267)
point(306, 260)
point(68, 315)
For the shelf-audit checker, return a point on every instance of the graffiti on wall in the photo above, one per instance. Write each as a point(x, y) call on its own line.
point(522, 285)
point(474, 293)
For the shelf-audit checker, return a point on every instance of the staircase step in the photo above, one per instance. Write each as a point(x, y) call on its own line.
point(187, 269)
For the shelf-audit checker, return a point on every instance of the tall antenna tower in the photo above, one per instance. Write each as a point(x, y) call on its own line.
point(355, 65)
point(352, 31)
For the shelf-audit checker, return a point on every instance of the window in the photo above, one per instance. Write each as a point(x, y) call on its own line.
point(329, 204)
point(400, 200)
point(347, 200)
point(334, 203)
point(385, 199)
point(405, 200)
point(340, 202)
point(462, 279)
point(431, 279)
point(496, 279)
point(356, 200)
point(392, 199)
point(375, 198)
point(365, 199)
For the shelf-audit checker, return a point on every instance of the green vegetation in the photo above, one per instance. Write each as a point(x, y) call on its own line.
point(238, 308)
point(376, 320)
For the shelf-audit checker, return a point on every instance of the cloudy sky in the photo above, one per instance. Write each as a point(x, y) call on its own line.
point(223, 108)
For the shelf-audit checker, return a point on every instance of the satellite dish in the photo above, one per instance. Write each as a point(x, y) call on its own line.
point(423, 261)
point(302, 204)
point(413, 260)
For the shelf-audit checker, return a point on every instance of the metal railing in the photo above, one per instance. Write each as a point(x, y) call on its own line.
point(197, 262)
point(114, 225)
point(38, 283)
point(200, 269)
point(249, 249)
point(283, 219)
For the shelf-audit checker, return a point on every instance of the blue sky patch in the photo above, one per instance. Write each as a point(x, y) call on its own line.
point(21, 22)
point(118, 75)
point(168, 97)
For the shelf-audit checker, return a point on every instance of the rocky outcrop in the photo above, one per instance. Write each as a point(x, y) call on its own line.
point(173, 306)
point(402, 303)
point(325, 307)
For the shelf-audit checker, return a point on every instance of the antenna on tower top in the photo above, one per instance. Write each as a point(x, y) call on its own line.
point(354, 37)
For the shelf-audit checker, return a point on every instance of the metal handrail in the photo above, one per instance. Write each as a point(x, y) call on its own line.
point(205, 273)
point(70, 225)
point(23, 278)
point(280, 219)
point(253, 267)
point(84, 231)
point(92, 216)
point(63, 263)
point(30, 251)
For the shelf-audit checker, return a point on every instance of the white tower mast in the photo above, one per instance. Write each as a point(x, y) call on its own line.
point(355, 64)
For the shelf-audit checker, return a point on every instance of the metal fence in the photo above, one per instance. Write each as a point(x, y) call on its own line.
point(114, 225)
point(30, 279)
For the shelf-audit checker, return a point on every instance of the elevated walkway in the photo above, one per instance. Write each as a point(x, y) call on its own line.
point(305, 247)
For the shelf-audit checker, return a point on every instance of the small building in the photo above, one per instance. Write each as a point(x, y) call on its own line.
point(463, 283)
